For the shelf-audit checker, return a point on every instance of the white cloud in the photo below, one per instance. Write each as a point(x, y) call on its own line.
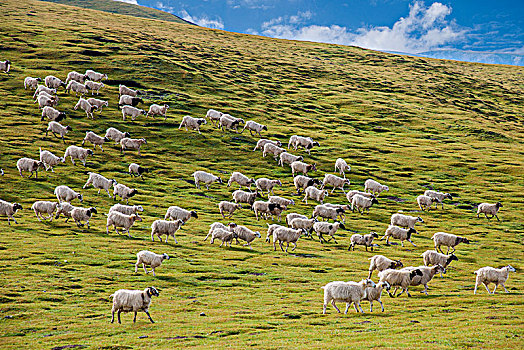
point(252, 4)
point(133, 2)
point(203, 21)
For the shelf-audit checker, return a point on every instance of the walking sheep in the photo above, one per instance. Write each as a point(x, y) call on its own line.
point(165, 227)
point(342, 167)
point(447, 239)
point(424, 202)
point(254, 127)
point(303, 182)
point(57, 128)
point(348, 292)
point(177, 213)
point(225, 236)
point(65, 209)
point(117, 219)
point(270, 148)
point(155, 109)
point(52, 114)
point(399, 233)
point(65, 194)
point(82, 214)
point(262, 142)
point(31, 83)
point(314, 193)
point(439, 197)
point(488, 274)
point(99, 182)
point(131, 144)
point(94, 87)
point(284, 202)
point(205, 178)
point(44, 207)
point(263, 184)
point(374, 187)
point(322, 228)
point(116, 135)
point(399, 278)
point(127, 209)
point(53, 82)
point(95, 140)
point(131, 111)
point(284, 235)
point(374, 293)
point(95, 76)
point(28, 164)
point(432, 257)
point(137, 170)
point(123, 191)
point(305, 142)
point(124, 90)
point(216, 225)
point(78, 153)
point(492, 209)
point(86, 107)
point(381, 263)
point(125, 300)
point(213, 116)
point(240, 196)
point(228, 207)
point(192, 123)
point(427, 275)
point(9, 210)
point(245, 234)
point(365, 240)
point(288, 158)
point(361, 202)
point(145, 257)
point(405, 220)
point(240, 179)
point(335, 181)
point(301, 167)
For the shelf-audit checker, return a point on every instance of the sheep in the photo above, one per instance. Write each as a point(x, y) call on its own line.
point(216, 225)
point(374, 187)
point(5, 66)
point(432, 257)
point(486, 208)
point(399, 278)
point(165, 227)
point(77, 88)
point(117, 219)
point(447, 239)
point(285, 235)
point(124, 90)
point(270, 148)
point(116, 135)
point(131, 111)
point(43, 88)
point(75, 76)
point(28, 164)
point(155, 109)
point(192, 123)
point(405, 220)
point(31, 83)
point(228, 122)
point(9, 210)
point(99, 182)
point(399, 233)
point(127, 209)
point(44, 207)
point(125, 300)
point(46, 101)
point(240, 196)
point(65, 194)
point(427, 275)
point(240, 179)
point(288, 158)
point(49, 160)
point(126, 100)
point(57, 128)
point(224, 235)
point(137, 170)
point(306, 142)
point(302, 224)
point(381, 263)
point(79, 153)
point(303, 182)
point(95, 140)
point(82, 214)
point(424, 202)
point(131, 144)
point(270, 230)
point(213, 116)
point(439, 196)
point(228, 207)
point(65, 209)
point(53, 82)
point(365, 240)
point(488, 274)
point(291, 216)
point(99, 104)
point(262, 142)
point(44, 94)
point(264, 184)
point(374, 293)
point(145, 257)
point(322, 228)
point(206, 178)
point(123, 191)
point(91, 85)
point(342, 167)
point(348, 292)
point(327, 212)
point(95, 76)
point(314, 193)
point(245, 234)
point(266, 208)
point(176, 213)
point(86, 106)
point(284, 202)
point(254, 127)
point(335, 181)
point(52, 114)
point(301, 167)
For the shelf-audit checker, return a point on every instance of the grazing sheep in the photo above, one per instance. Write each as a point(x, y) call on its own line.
point(432, 257)
point(5, 66)
point(342, 167)
point(322, 228)
point(82, 214)
point(86, 107)
point(44, 101)
point(264, 184)
point(399, 278)
point(303, 182)
point(427, 275)
point(79, 153)
point(126, 100)
point(31, 83)
point(99, 182)
point(399, 233)
point(214, 116)
point(300, 167)
point(177, 213)
point(492, 209)
point(270, 148)
point(405, 220)
point(205, 178)
point(77, 88)
point(216, 225)
point(303, 224)
point(266, 208)
point(44, 207)
point(228, 122)
point(291, 216)
point(374, 187)
point(9, 210)
point(79, 78)
point(28, 164)
point(49, 160)
point(127, 209)
point(192, 123)
point(439, 196)
point(145, 257)
point(424, 202)
point(53, 82)
point(125, 300)
point(155, 109)
point(284, 202)
point(95, 76)
point(365, 240)
point(65, 209)
point(225, 236)
point(288, 158)
point(254, 127)
point(283, 234)
point(240, 196)
point(99, 104)
point(262, 142)
point(52, 114)
point(328, 212)
point(43, 88)
point(316, 194)
point(488, 274)
point(374, 293)
point(381, 263)
point(131, 144)
point(447, 239)
point(305, 142)
point(131, 111)
point(65, 194)
point(240, 179)
point(361, 202)
point(245, 234)
point(57, 128)
point(335, 181)
point(123, 191)
point(92, 86)
point(117, 219)
point(165, 227)
point(228, 207)
point(116, 135)
point(95, 139)
point(137, 170)
point(124, 90)
point(348, 292)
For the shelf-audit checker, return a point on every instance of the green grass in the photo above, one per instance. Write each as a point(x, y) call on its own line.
point(407, 122)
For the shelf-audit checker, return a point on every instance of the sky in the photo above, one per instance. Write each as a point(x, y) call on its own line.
point(454, 29)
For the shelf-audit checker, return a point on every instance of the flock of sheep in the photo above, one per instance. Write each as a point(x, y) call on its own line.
point(401, 226)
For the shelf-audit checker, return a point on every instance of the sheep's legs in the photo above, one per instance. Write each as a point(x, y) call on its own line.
point(118, 314)
point(287, 246)
point(144, 266)
point(507, 291)
point(381, 305)
point(409, 240)
point(496, 217)
point(134, 318)
point(296, 246)
point(335, 306)
point(485, 285)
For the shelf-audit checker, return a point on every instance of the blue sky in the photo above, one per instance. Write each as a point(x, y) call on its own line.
point(411, 26)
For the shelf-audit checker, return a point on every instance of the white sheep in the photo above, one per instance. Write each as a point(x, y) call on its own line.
point(262, 142)
point(100, 182)
point(299, 141)
point(486, 208)
point(145, 257)
point(302, 224)
point(95, 140)
point(335, 181)
point(116, 135)
point(44, 101)
point(270, 148)
point(129, 101)
point(266, 208)
point(263, 184)
point(95, 76)
point(131, 111)
point(123, 191)
point(99, 104)
point(374, 293)
point(399, 233)
point(439, 196)
point(124, 90)
point(78, 77)
point(427, 275)
point(328, 212)
point(177, 213)
point(381, 263)
point(54, 99)
point(93, 86)
point(127, 209)
point(5, 66)
point(288, 158)
point(192, 123)
point(82, 214)
point(342, 167)
point(348, 292)
point(365, 240)
point(125, 300)
point(43, 88)
point(9, 210)
point(325, 228)
point(399, 278)
point(303, 182)
point(488, 274)
point(228, 207)
point(225, 236)
point(28, 164)
point(79, 153)
point(291, 216)
point(213, 116)
point(165, 227)
point(424, 202)
point(314, 193)
point(254, 127)
point(228, 122)
point(57, 128)
point(286, 235)
point(405, 220)
point(77, 88)
point(137, 170)
point(284, 202)
point(245, 234)
point(216, 225)
point(31, 83)
point(301, 167)
point(52, 114)
point(374, 187)
point(49, 159)
point(432, 257)
point(65, 194)
point(117, 219)
point(128, 143)
point(86, 107)
point(240, 179)
point(155, 109)
point(240, 196)
point(65, 209)
point(53, 82)
point(44, 207)
point(447, 239)
point(270, 230)
point(205, 178)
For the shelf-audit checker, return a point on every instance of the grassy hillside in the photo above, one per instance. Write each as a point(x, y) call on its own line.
point(411, 123)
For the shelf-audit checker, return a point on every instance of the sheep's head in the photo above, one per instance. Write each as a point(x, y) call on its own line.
point(232, 225)
point(106, 139)
point(135, 217)
point(415, 273)
point(397, 264)
point(511, 268)
point(126, 134)
point(194, 214)
point(374, 234)
point(139, 207)
point(91, 211)
point(219, 180)
point(315, 143)
point(279, 144)
point(142, 112)
point(453, 257)
point(340, 211)
point(264, 127)
point(498, 205)
point(464, 240)
point(374, 200)
point(143, 141)
point(90, 152)
point(133, 192)
point(439, 269)
point(17, 206)
point(151, 291)
point(80, 197)
point(448, 196)
point(386, 188)
point(368, 283)
point(165, 256)
point(419, 219)
point(257, 233)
